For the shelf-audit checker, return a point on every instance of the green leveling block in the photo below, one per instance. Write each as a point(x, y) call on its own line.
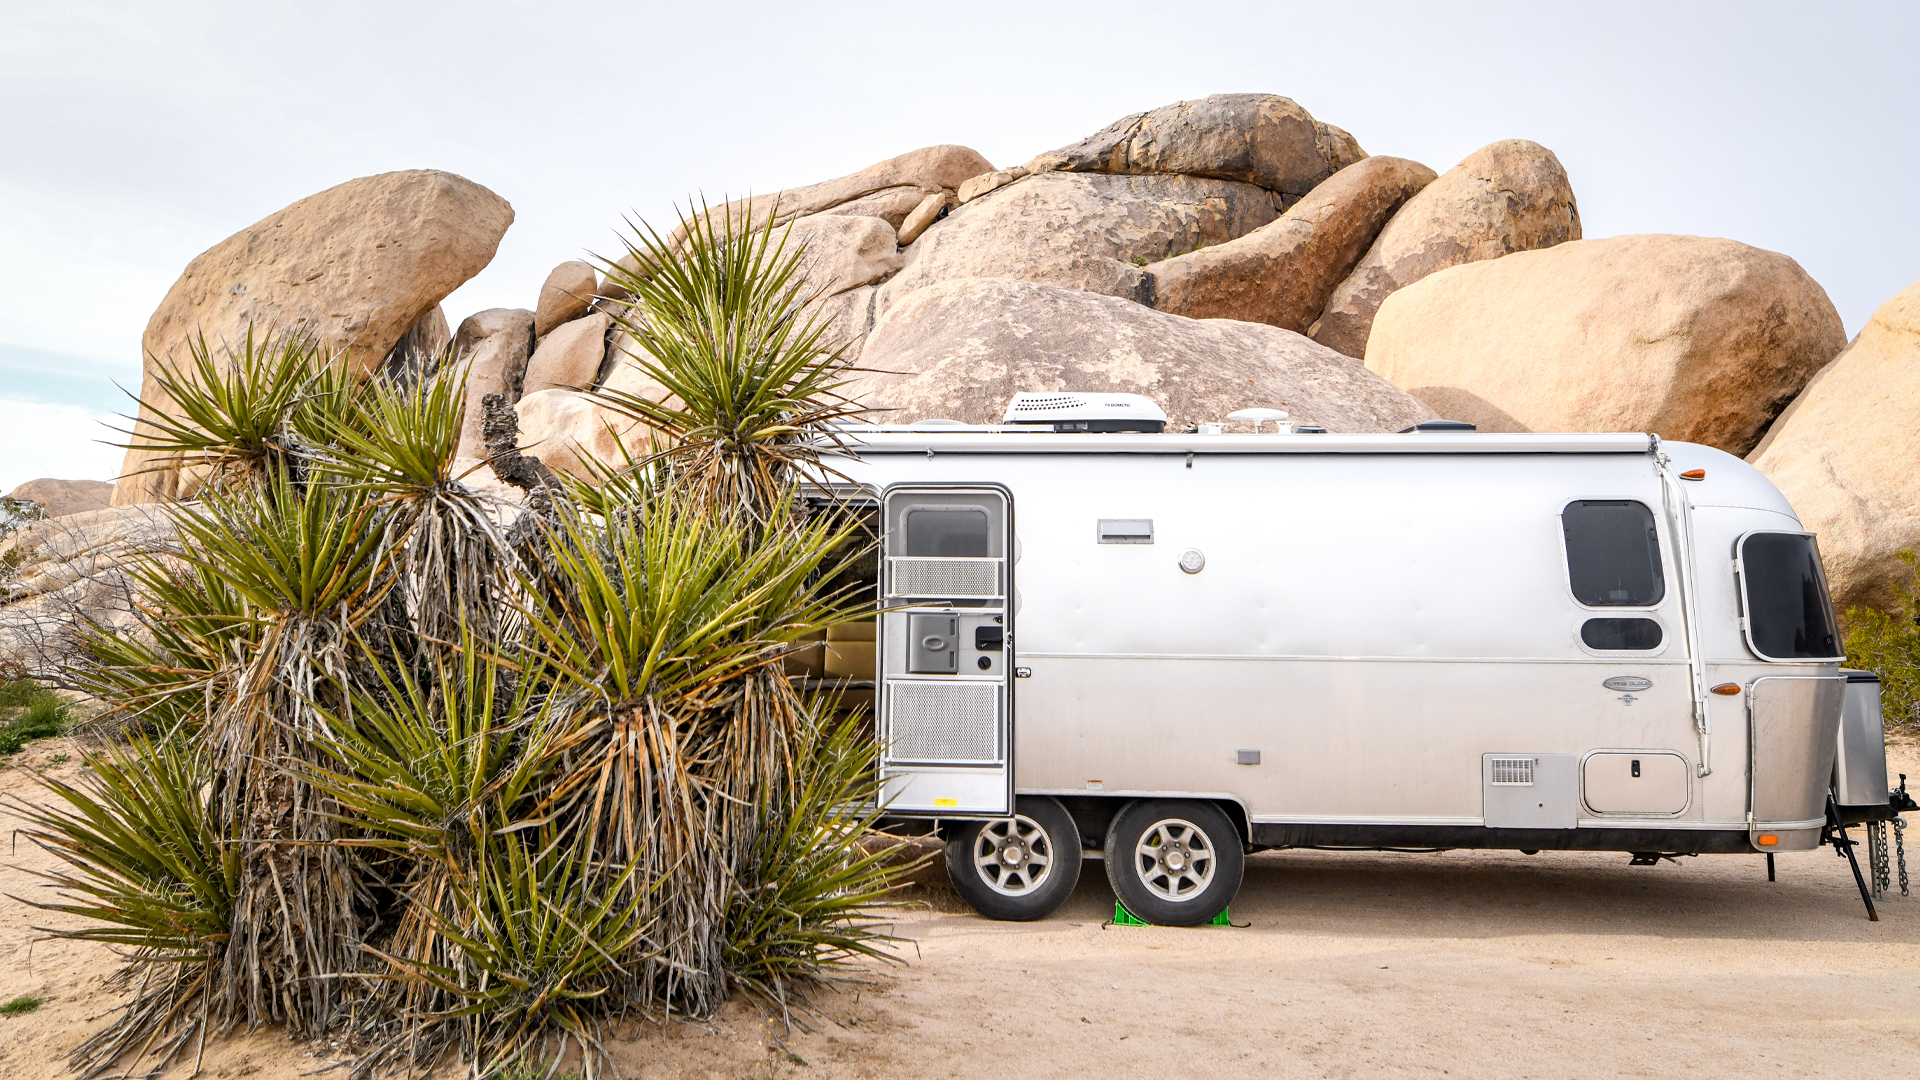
point(1123, 917)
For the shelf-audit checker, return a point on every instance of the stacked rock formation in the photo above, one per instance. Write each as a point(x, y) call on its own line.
point(1212, 254)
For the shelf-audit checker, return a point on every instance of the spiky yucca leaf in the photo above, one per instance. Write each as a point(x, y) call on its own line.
point(428, 765)
point(148, 860)
point(724, 319)
point(399, 440)
point(228, 419)
point(539, 931)
point(680, 597)
point(809, 892)
point(287, 548)
point(198, 633)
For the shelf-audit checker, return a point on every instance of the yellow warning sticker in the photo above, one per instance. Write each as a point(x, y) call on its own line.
point(946, 802)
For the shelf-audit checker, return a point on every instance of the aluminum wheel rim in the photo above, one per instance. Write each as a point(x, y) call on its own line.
point(1174, 859)
point(1014, 857)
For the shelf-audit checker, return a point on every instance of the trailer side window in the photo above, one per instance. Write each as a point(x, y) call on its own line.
point(1621, 634)
point(1613, 553)
point(1789, 616)
point(947, 532)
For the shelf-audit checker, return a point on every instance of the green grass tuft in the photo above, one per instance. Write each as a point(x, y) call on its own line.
point(44, 716)
point(1888, 643)
point(21, 1005)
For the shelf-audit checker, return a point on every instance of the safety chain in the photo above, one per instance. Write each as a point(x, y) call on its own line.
point(1877, 857)
point(1900, 850)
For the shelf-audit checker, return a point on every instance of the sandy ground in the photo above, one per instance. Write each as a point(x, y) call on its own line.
point(1465, 964)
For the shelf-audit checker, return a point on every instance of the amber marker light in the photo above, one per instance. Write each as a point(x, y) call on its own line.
point(1694, 474)
point(1727, 689)
point(1768, 839)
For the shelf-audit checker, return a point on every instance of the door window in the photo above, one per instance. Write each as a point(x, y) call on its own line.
point(947, 532)
point(1613, 553)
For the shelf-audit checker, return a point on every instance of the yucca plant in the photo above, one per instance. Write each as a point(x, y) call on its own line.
point(724, 319)
point(672, 622)
point(396, 445)
point(149, 861)
point(442, 777)
point(224, 416)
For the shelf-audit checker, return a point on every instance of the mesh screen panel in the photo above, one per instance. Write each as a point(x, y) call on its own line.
point(945, 577)
point(951, 721)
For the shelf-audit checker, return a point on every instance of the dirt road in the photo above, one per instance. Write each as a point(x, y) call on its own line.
point(1461, 964)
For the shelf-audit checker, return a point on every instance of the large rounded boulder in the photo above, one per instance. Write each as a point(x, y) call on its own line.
point(1261, 139)
point(1695, 339)
point(1845, 455)
point(356, 266)
point(1088, 232)
point(960, 349)
point(1283, 272)
point(1507, 197)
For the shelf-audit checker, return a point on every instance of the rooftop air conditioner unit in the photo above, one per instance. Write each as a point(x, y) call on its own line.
point(1072, 411)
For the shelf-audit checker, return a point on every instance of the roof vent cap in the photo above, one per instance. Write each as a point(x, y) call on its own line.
point(1430, 427)
point(1089, 412)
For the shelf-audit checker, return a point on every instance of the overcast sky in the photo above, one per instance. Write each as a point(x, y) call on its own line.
point(135, 136)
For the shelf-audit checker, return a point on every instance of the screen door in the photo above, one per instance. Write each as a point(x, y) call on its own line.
point(945, 652)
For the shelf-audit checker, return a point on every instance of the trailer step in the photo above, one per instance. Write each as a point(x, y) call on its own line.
point(1123, 917)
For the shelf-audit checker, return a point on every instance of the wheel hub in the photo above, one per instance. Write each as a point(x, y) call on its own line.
point(1175, 860)
point(1013, 857)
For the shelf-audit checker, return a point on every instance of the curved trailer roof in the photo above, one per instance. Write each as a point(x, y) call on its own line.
point(983, 439)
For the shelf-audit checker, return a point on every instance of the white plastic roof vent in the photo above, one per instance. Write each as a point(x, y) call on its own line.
point(1087, 412)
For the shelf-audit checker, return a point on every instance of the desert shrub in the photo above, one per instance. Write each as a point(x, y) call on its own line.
point(28, 711)
point(421, 772)
point(1888, 643)
point(44, 717)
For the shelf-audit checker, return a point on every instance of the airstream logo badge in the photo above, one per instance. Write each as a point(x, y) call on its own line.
point(1628, 683)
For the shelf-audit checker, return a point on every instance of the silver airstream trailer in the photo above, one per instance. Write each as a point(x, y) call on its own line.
point(1169, 649)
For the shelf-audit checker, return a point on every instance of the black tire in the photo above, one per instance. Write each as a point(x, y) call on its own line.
point(1174, 862)
point(1019, 868)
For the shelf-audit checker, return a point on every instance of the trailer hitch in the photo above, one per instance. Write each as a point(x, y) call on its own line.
point(1835, 832)
point(1653, 858)
point(1898, 800)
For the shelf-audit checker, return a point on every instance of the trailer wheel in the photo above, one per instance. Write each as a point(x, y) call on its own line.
point(1019, 868)
point(1174, 862)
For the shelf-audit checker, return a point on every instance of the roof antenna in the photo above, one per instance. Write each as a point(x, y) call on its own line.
point(1256, 417)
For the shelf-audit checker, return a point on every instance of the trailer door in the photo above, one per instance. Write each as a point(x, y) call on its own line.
point(945, 650)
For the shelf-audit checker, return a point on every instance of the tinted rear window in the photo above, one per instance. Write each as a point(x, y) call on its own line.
point(947, 533)
point(1788, 614)
point(1613, 554)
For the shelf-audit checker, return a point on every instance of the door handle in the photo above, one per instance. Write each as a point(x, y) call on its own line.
point(1023, 673)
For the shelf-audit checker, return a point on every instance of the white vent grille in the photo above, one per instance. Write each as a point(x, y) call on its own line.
point(944, 578)
point(1032, 403)
point(943, 721)
point(1511, 770)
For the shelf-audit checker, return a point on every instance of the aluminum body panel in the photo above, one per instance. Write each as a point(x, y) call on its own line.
point(1376, 620)
point(1794, 729)
point(1860, 764)
point(1544, 795)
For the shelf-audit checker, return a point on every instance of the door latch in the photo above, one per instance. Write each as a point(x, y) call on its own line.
point(1023, 673)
